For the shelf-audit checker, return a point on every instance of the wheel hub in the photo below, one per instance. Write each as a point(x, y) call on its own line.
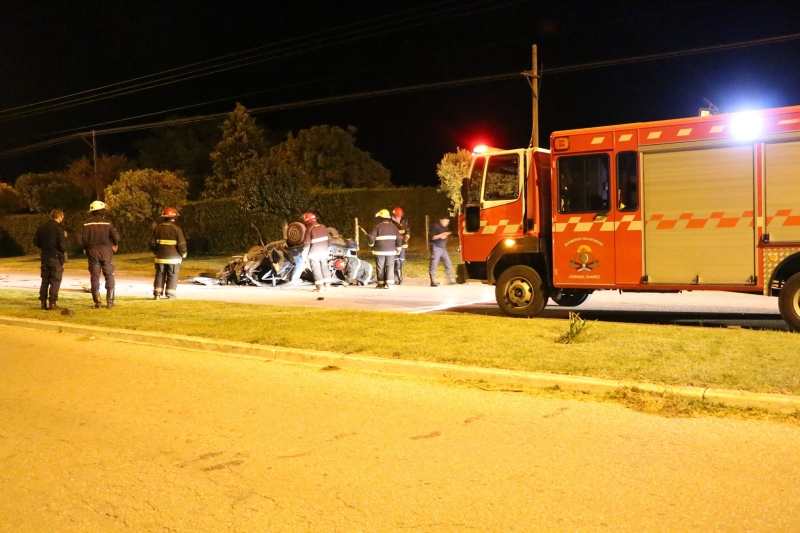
point(519, 293)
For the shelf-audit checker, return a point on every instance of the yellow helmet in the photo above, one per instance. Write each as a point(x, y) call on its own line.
point(383, 213)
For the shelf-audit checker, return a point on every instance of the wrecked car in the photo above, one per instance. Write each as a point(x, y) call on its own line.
point(280, 262)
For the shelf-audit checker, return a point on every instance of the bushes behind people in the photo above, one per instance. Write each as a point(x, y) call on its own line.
point(222, 227)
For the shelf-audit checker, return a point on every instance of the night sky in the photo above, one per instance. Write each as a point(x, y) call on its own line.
point(301, 51)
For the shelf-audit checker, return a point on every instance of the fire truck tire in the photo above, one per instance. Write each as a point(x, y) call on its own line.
point(789, 302)
point(569, 297)
point(521, 292)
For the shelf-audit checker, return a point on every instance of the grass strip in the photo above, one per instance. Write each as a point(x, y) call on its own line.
point(739, 359)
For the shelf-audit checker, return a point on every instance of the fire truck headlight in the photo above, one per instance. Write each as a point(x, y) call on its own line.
point(746, 125)
point(510, 243)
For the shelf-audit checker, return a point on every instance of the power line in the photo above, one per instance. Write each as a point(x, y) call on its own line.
point(264, 53)
point(400, 90)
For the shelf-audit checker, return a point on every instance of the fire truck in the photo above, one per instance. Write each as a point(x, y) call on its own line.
point(700, 203)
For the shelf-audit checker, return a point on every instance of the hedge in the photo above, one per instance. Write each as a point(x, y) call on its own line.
point(221, 227)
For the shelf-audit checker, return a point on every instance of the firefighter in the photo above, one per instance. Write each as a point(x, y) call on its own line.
point(355, 271)
point(439, 233)
point(405, 233)
point(51, 238)
point(316, 248)
point(100, 242)
point(386, 242)
point(168, 244)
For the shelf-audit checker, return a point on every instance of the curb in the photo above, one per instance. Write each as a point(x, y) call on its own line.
point(775, 403)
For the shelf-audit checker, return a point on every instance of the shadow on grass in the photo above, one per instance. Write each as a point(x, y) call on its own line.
point(754, 321)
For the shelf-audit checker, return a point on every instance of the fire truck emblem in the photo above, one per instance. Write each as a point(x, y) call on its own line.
point(584, 260)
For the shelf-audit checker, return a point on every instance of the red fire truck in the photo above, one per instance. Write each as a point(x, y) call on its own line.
point(701, 203)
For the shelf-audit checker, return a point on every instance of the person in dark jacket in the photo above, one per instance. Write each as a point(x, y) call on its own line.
point(438, 241)
point(169, 246)
point(316, 249)
point(385, 241)
point(405, 233)
point(51, 239)
point(100, 242)
point(355, 271)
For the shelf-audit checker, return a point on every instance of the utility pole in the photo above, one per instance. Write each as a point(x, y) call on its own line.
point(533, 80)
point(94, 162)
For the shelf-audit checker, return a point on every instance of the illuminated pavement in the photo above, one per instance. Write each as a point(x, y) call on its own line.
point(102, 436)
point(688, 308)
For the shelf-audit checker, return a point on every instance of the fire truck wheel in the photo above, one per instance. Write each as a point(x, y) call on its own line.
point(569, 297)
point(789, 302)
point(521, 292)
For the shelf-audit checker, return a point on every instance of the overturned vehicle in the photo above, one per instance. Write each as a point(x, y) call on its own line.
point(281, 262)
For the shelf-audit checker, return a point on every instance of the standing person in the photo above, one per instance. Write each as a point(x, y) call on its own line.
point(100, 242)
point(405, 233)
point(51, 239)
point(169, 245)
point(385, 241)
point(316, 248)
point(438, 235)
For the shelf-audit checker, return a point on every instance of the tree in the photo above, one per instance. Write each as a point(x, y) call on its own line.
point(10, 200)
point(184, 149)
point(327, 156)
point(109, 167)
point(270, 186)
point(452, 170)
point(242, 141)
point(142, 194)
point(44, 192)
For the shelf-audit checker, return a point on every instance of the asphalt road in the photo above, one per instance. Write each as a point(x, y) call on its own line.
point(104, 436)
point(701, 308)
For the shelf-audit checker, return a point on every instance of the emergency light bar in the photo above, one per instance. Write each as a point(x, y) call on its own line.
point(483, 149)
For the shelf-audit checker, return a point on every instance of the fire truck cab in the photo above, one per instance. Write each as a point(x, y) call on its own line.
point(702, 203)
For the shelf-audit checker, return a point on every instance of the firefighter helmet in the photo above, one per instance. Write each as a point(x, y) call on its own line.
point(309, 218)
point(97, 205)
point(169, 212)
point(383, 213)
point(339, 264)
point(398, 212)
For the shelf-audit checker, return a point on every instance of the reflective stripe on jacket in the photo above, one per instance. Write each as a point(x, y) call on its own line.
point(168, 243)
point(385, 239)
point(317, 241)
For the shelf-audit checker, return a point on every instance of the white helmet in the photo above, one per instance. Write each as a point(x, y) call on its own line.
point(97, 205)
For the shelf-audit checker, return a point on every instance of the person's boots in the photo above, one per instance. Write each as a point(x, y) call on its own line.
point(54, 307)
point(44, 303)
point(433, 282)
point(96, 300)
point(110, 298)
point(398, 276)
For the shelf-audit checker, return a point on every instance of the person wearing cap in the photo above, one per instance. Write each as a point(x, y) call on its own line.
point(354, 270)
point(51, 239)
point(100, 241)
point(386, 242)
point(438, 240)
point(405, 233)
point(316, 248)
point(168, 244)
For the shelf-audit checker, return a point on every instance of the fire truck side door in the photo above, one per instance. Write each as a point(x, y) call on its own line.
point(494, 207)
point(583, 221)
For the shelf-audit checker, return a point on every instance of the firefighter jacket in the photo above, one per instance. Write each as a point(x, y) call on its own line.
point(168, 243)
point(317, 242)
point(405, 230)
point(99, 232)
point(385, 238)
point(51, 238)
